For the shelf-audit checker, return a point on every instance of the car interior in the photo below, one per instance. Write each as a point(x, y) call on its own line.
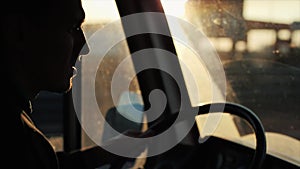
point(221, 76)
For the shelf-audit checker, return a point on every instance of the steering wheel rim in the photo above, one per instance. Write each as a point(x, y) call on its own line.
point(251, 118)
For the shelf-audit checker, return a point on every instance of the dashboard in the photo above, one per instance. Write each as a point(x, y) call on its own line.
point(215, 153)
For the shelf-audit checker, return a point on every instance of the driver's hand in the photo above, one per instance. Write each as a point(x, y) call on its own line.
point(125, 143)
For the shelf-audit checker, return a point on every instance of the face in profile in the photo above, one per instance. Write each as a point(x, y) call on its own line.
point(53, 40)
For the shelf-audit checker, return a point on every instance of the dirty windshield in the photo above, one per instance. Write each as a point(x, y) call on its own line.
point(259, 45)
point(256, 42)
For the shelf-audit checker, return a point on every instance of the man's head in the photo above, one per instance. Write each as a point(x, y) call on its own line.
point(42, 40)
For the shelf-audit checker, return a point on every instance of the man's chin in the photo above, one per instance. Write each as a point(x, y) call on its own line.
point(68, 90)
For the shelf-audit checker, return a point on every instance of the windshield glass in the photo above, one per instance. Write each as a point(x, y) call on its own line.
point(257, 44)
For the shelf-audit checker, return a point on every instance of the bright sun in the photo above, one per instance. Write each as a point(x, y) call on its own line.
point(106, 9)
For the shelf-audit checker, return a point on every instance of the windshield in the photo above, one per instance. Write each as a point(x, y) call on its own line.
point(258, 47)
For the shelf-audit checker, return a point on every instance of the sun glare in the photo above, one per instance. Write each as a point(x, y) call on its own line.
point(174, 7)
point(97, 11)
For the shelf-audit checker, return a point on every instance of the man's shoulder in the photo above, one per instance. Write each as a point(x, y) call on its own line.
point(41, 148)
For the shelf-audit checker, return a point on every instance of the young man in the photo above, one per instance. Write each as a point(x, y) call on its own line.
point(40, 43)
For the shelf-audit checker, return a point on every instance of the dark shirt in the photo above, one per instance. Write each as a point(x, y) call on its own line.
point(26, 147)
point(40, 153)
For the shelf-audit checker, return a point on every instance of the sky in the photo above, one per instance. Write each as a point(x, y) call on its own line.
point(281, 11)
point(106, 9)
point(278, 11)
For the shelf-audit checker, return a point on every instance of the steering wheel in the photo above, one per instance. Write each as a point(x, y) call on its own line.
point(251, 118)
